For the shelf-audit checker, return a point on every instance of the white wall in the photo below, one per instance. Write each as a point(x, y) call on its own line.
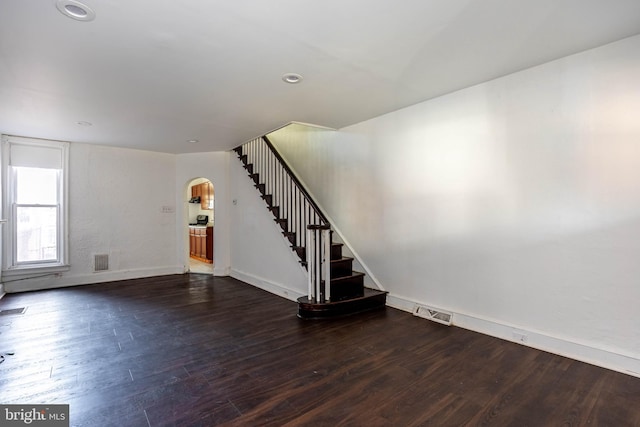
point(133, 205)
point(116, 198)
point(514, 203)
point(215, 168)
point(260, 255)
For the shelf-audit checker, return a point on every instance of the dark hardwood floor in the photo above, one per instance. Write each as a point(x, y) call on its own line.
point(192, 350)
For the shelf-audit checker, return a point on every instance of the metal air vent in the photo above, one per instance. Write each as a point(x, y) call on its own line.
point(434, 314)
point(101, 262)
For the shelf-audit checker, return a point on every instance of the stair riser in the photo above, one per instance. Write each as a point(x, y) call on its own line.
point(351, 287)
point(342, 268)
point(336, 251)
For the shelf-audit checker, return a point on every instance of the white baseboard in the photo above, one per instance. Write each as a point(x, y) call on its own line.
point(266, 285)
point(585, 353)
point(65, 280)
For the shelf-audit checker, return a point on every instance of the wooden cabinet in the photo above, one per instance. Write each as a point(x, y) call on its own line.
point(201, 243)
point(205, 192)
point(192, 242)
point(209, 242)
point(206, 195)
point(196, 191)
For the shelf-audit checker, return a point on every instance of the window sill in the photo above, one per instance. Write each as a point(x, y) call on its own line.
point(35, 270)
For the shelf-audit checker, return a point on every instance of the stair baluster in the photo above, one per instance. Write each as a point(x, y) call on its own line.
point(285, 196)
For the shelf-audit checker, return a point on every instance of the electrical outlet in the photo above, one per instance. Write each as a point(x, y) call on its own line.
point(167, 209)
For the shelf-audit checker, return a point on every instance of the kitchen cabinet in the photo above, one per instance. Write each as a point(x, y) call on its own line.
point(196, 191)
point(206, 195)
point(205, 192)
point(209, 241)
point(201, 243)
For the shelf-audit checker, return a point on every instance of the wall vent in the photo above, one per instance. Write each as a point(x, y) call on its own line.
point(434, 314)
point(9, 311)
point(101, 262)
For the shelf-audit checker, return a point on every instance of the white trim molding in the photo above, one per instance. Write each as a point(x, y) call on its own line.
point(267, 285)
point(53, 281)
point(626, 364)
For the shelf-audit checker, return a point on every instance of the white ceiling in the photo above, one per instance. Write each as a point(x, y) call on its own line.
point(152, 74)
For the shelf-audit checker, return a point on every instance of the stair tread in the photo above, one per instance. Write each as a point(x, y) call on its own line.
point(332, 244)
point(353, 274)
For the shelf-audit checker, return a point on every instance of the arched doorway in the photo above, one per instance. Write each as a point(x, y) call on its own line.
point(200, 225)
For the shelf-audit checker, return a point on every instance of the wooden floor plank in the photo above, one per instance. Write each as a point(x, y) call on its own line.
point(194, 350)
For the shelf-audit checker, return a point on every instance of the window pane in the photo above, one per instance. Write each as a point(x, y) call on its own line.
point(37, 186)
point(36, 238)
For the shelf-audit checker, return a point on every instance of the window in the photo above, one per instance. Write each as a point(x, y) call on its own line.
point(35, 204)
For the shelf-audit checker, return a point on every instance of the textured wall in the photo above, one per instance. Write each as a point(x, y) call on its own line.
point(116, 197)
point(516, 201)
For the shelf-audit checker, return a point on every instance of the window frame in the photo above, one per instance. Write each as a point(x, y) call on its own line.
point(10, 264)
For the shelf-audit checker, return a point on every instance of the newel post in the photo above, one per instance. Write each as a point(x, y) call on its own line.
point(319, 262)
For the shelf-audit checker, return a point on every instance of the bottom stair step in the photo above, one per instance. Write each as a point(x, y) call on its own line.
point(372, 299)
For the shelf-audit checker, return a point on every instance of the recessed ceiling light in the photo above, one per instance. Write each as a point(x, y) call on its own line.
point(85, 124)
point(193, 141)
point(292, 78)
point(75, 10)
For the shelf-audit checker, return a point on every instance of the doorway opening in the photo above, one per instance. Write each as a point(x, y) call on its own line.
point(200, 218)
